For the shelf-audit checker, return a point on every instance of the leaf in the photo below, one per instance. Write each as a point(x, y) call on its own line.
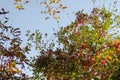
point(19, 7)
point(57, 17)
point(3, 10)
point(15, 31)
point(57, 11)
point(60, 6)
point(52, 1)
point(46, 18)
point(64, 7)
point(18, 0)
point(26, 2)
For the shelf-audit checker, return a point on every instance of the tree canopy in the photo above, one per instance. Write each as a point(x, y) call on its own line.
point(86, 49)
point(12, 54)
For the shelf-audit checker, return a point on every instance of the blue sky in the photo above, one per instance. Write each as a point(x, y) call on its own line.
point(31, 19)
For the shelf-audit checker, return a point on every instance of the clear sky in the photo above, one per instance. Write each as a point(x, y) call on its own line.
point(31, 19)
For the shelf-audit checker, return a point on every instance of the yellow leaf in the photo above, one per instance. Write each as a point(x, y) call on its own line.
point(18, 0)
point(98, 56)
point(52, 1)
point(19, 7)
point(57, 17)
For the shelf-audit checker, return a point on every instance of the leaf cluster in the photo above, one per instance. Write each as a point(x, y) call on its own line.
point(12, 54)
point(88, 50)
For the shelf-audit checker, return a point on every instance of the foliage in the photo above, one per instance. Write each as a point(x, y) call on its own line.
point(12, 55)
point(52, 7)
point(88, 48)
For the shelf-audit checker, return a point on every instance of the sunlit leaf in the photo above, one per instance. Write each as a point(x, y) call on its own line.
point(19, 7)
point(52, 1)
point(18, 0)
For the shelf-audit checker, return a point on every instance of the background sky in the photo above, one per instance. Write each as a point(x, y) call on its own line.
point(31, 19)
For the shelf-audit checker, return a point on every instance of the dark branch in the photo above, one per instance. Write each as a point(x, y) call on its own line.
point(4, 12)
